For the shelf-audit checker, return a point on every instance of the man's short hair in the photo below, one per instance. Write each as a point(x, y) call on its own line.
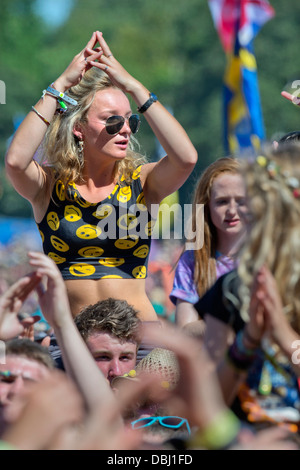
point(29, 349)
point(289, 137)
point(113, 316)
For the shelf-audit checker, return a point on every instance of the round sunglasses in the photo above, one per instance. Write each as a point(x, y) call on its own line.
point(173, 422)
point(114, 124)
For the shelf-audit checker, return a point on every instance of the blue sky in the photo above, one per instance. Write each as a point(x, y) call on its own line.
point(54, 12)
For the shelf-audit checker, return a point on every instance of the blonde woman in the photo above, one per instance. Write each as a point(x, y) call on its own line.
point(221, 190)
point(92, 201)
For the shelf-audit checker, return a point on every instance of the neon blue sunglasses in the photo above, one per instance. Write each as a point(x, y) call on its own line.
point(174, 422)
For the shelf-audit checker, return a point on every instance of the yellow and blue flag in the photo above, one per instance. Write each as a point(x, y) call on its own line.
point(237, 23)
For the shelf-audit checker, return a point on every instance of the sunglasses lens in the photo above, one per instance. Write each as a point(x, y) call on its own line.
point(134, 123)
point(114, 124)
point(172, 421)
point(141, 423)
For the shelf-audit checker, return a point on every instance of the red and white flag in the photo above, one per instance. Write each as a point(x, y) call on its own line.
point(239, 17)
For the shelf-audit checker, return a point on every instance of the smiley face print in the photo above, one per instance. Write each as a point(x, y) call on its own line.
point(72, 213)
point(149, 228)
point(59, 244)
point(141, 202)
point(136, 173)
point(126, 243)
point(91, 251)
point(127, 222)
point(103, 211)
point(56, 258)
point(82, 202)
point(124, 195)
point(88, 232)
point(82, 270)
point(111, 276)
point(142, 251)
point(53, 221)
point(78, 198)
point(139, 272)
point(112, 262)
point(60, 190)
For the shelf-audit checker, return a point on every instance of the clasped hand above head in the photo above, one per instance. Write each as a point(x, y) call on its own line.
point(100, 57)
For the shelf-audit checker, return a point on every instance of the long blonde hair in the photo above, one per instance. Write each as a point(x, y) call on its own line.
point(205, 257)
point(60, 147)
point(274, 231)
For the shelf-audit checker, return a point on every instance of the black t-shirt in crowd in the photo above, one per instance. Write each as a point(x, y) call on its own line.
point(222, 301)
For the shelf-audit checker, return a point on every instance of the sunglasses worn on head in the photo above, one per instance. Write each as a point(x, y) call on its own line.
point(114, 124)
point(173, 422)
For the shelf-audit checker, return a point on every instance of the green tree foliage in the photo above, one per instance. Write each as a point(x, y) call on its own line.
point(171, 46)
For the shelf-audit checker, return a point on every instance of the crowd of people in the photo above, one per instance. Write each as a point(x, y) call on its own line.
point(147, 345)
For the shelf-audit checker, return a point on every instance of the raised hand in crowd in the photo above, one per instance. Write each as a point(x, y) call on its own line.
point(13, 321)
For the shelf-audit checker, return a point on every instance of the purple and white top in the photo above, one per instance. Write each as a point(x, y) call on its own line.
point(184, 287)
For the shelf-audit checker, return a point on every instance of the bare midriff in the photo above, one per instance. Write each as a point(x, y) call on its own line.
point(83, 292)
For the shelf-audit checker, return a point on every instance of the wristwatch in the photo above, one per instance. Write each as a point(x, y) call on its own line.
point(152, 99)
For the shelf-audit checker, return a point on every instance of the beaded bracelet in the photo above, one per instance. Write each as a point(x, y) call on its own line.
point(219, 434)
point(40, 116)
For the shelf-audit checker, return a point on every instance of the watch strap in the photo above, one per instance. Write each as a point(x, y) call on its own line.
point(152, 99)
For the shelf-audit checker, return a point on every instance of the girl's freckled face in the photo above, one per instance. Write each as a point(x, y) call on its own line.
point(228, 203)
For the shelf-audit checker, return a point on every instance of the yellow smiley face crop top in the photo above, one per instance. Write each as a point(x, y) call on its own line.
point(110, 239)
